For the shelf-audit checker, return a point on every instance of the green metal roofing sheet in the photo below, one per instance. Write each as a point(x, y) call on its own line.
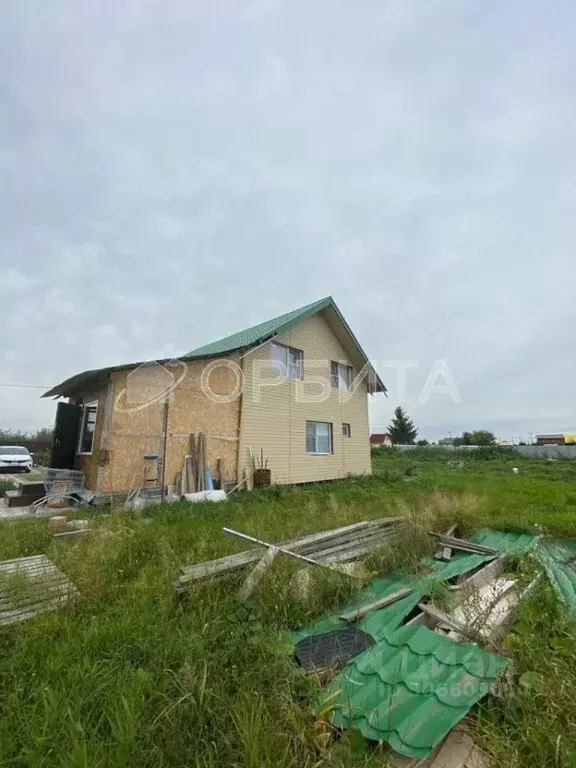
point(260, 332)
point(509, 542)
point(410, 689)
point(558, 558)
point(377, 622)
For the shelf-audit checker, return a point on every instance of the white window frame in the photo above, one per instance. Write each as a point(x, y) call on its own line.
point(293, 370)
point(341, 375)
point(330, 436)
point(346, 429)
point(86, 408)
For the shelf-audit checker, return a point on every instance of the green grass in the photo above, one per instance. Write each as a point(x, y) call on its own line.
point(33, 477)
point(130, 676)
point(5, 485)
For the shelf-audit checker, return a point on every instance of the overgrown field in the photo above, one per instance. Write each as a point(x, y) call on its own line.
point(130, 676)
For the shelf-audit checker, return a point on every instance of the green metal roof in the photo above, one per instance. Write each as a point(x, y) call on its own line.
point(259, 333)
point(249, 337)
point(558, 558)
point(410, 689)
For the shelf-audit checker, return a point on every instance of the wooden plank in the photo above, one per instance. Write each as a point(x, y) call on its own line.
point(62, 589)
point(248, 557)
point(14, 617)
point(445, 553)
point(353, 553)
point(454, 542)
point(256, 574)
point(317, 544)
point(441, 618)
point(463, 545)
point(79, 533)
point(483, 576)
point(22, 560)
point(369, 544)
point(362, 610)
point(262, 543)
point(33, 566)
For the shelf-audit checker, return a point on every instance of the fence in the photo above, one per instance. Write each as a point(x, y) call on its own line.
point(531, 451)
point(434, 447)
point(547, 451)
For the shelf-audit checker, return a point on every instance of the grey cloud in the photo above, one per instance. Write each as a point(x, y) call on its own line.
point(172, 172)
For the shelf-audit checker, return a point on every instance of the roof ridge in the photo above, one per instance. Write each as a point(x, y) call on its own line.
point(253, 333)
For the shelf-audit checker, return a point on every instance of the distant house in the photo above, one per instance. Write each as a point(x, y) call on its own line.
point(446, 441)
point(550, 440)
point(380, 438)
point(293, 389)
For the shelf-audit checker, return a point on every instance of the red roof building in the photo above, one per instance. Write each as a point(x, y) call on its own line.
point(380, 438)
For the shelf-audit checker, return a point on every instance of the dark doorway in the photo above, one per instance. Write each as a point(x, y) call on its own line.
point(65, 436)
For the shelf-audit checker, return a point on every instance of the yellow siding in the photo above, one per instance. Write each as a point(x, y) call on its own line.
point(274, 417)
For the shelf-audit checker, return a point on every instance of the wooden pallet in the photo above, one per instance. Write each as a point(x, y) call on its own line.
point(32, 585)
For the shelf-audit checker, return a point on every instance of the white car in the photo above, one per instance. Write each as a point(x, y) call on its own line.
point(15, 458)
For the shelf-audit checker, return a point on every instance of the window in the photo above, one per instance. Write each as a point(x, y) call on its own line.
point(341, 375)
point(87, 428)
point(318, 437)
point(346, 431)
point(286, 360)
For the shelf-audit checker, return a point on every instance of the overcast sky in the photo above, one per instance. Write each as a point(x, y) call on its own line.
point(173, 171)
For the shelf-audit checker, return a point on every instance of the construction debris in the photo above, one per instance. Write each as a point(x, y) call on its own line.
point(457, 751)
point(426, 667)
point(410, 689)
point(383, 602)
point(338, 545)
point(31, 585)
point(558, 558)
point(462, 545)
point(324, 654)
point(445, 552)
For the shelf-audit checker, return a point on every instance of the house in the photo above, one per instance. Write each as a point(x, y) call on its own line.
point(550, 440)
point(293, 389)
point(380, 438)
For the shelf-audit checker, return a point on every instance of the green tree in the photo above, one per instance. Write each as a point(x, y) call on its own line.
point(402, 430)
point(478, 437)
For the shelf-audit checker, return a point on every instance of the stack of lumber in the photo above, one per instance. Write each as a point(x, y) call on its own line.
point(31, 585)
point(447, 543)
point(193, 476)
point(338, 545)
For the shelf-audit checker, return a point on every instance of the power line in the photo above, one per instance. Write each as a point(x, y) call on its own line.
point(26, 386)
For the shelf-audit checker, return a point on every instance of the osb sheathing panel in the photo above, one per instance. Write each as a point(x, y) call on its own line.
point(88, 463)
point(136, 427)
